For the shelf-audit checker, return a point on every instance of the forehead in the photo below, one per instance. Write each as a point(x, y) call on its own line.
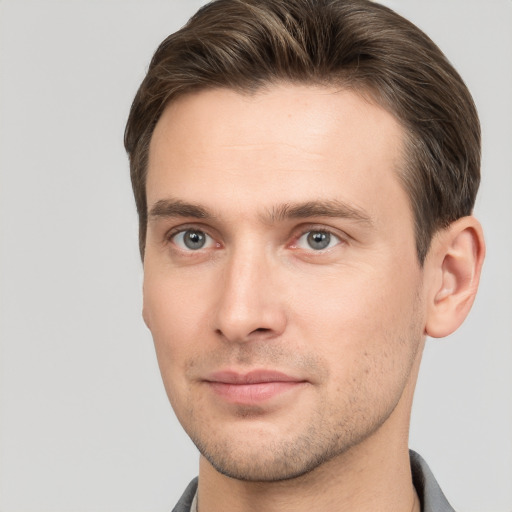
point(286, 142)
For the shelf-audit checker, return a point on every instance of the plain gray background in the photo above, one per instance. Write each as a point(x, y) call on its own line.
point(84, 421)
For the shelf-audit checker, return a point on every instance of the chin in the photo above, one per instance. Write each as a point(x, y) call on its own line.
point(262, 470)
point(269, 461)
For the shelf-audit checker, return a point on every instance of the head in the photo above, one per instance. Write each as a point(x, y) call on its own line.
point(357, 45)
point(303, 172)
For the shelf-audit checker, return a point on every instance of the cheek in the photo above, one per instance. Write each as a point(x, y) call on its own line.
point(174, 312)
point(360, 314)
point(370, 339)
point(172, 319)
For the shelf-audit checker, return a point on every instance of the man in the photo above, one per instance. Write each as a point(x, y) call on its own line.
point(304, 173)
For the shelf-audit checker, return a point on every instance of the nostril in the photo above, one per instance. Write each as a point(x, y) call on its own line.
point(261, 330)
point(254, 333)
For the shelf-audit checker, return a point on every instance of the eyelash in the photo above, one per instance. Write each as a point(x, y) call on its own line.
point(170, 237)
point(322, 231)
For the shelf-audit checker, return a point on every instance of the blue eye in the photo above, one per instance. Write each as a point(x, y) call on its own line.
point(317, 240)
point(192, 240)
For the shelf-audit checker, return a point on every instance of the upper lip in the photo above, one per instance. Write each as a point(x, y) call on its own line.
point(252, 377)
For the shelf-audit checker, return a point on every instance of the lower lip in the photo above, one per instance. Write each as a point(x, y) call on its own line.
point(252, 393)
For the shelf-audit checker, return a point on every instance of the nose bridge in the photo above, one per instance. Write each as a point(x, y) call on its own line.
point(247, 307)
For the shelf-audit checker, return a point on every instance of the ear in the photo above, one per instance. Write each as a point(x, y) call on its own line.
point(145, 312)
point(454, 264)
point(145, 317)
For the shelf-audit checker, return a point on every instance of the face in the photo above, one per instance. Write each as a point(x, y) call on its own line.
point(281, 283)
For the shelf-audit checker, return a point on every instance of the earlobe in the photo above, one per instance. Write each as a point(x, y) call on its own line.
point(455, 262)
point(145, 317)
point(145, 312)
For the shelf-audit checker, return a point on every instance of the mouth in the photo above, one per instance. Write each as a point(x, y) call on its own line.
point(253, 387)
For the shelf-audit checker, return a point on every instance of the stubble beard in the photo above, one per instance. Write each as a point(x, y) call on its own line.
point(275, 459)
point(332, 429)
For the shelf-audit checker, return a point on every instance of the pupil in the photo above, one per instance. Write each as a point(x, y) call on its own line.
point(194, 239)
point(318, 239)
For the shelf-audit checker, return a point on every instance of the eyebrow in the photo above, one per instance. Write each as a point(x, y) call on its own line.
point(322, 208)
point(176, 208)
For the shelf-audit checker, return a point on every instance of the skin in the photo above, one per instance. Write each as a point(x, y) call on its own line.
point(258, 176)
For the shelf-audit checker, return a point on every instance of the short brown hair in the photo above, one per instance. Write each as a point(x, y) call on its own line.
point(356, 44)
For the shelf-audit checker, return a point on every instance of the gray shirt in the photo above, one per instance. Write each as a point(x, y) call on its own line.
point(431, 497)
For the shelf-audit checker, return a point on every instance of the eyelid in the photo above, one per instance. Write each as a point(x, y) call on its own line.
point(170, 235)
point(298, 232)
point(341, 236)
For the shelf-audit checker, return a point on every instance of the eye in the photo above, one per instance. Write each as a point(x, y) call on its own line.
point(192, 240)
point(317, 240)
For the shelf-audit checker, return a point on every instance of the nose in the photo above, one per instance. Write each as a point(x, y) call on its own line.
point(250, 305)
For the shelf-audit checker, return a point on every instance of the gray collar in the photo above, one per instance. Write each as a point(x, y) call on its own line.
point(431, 496)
